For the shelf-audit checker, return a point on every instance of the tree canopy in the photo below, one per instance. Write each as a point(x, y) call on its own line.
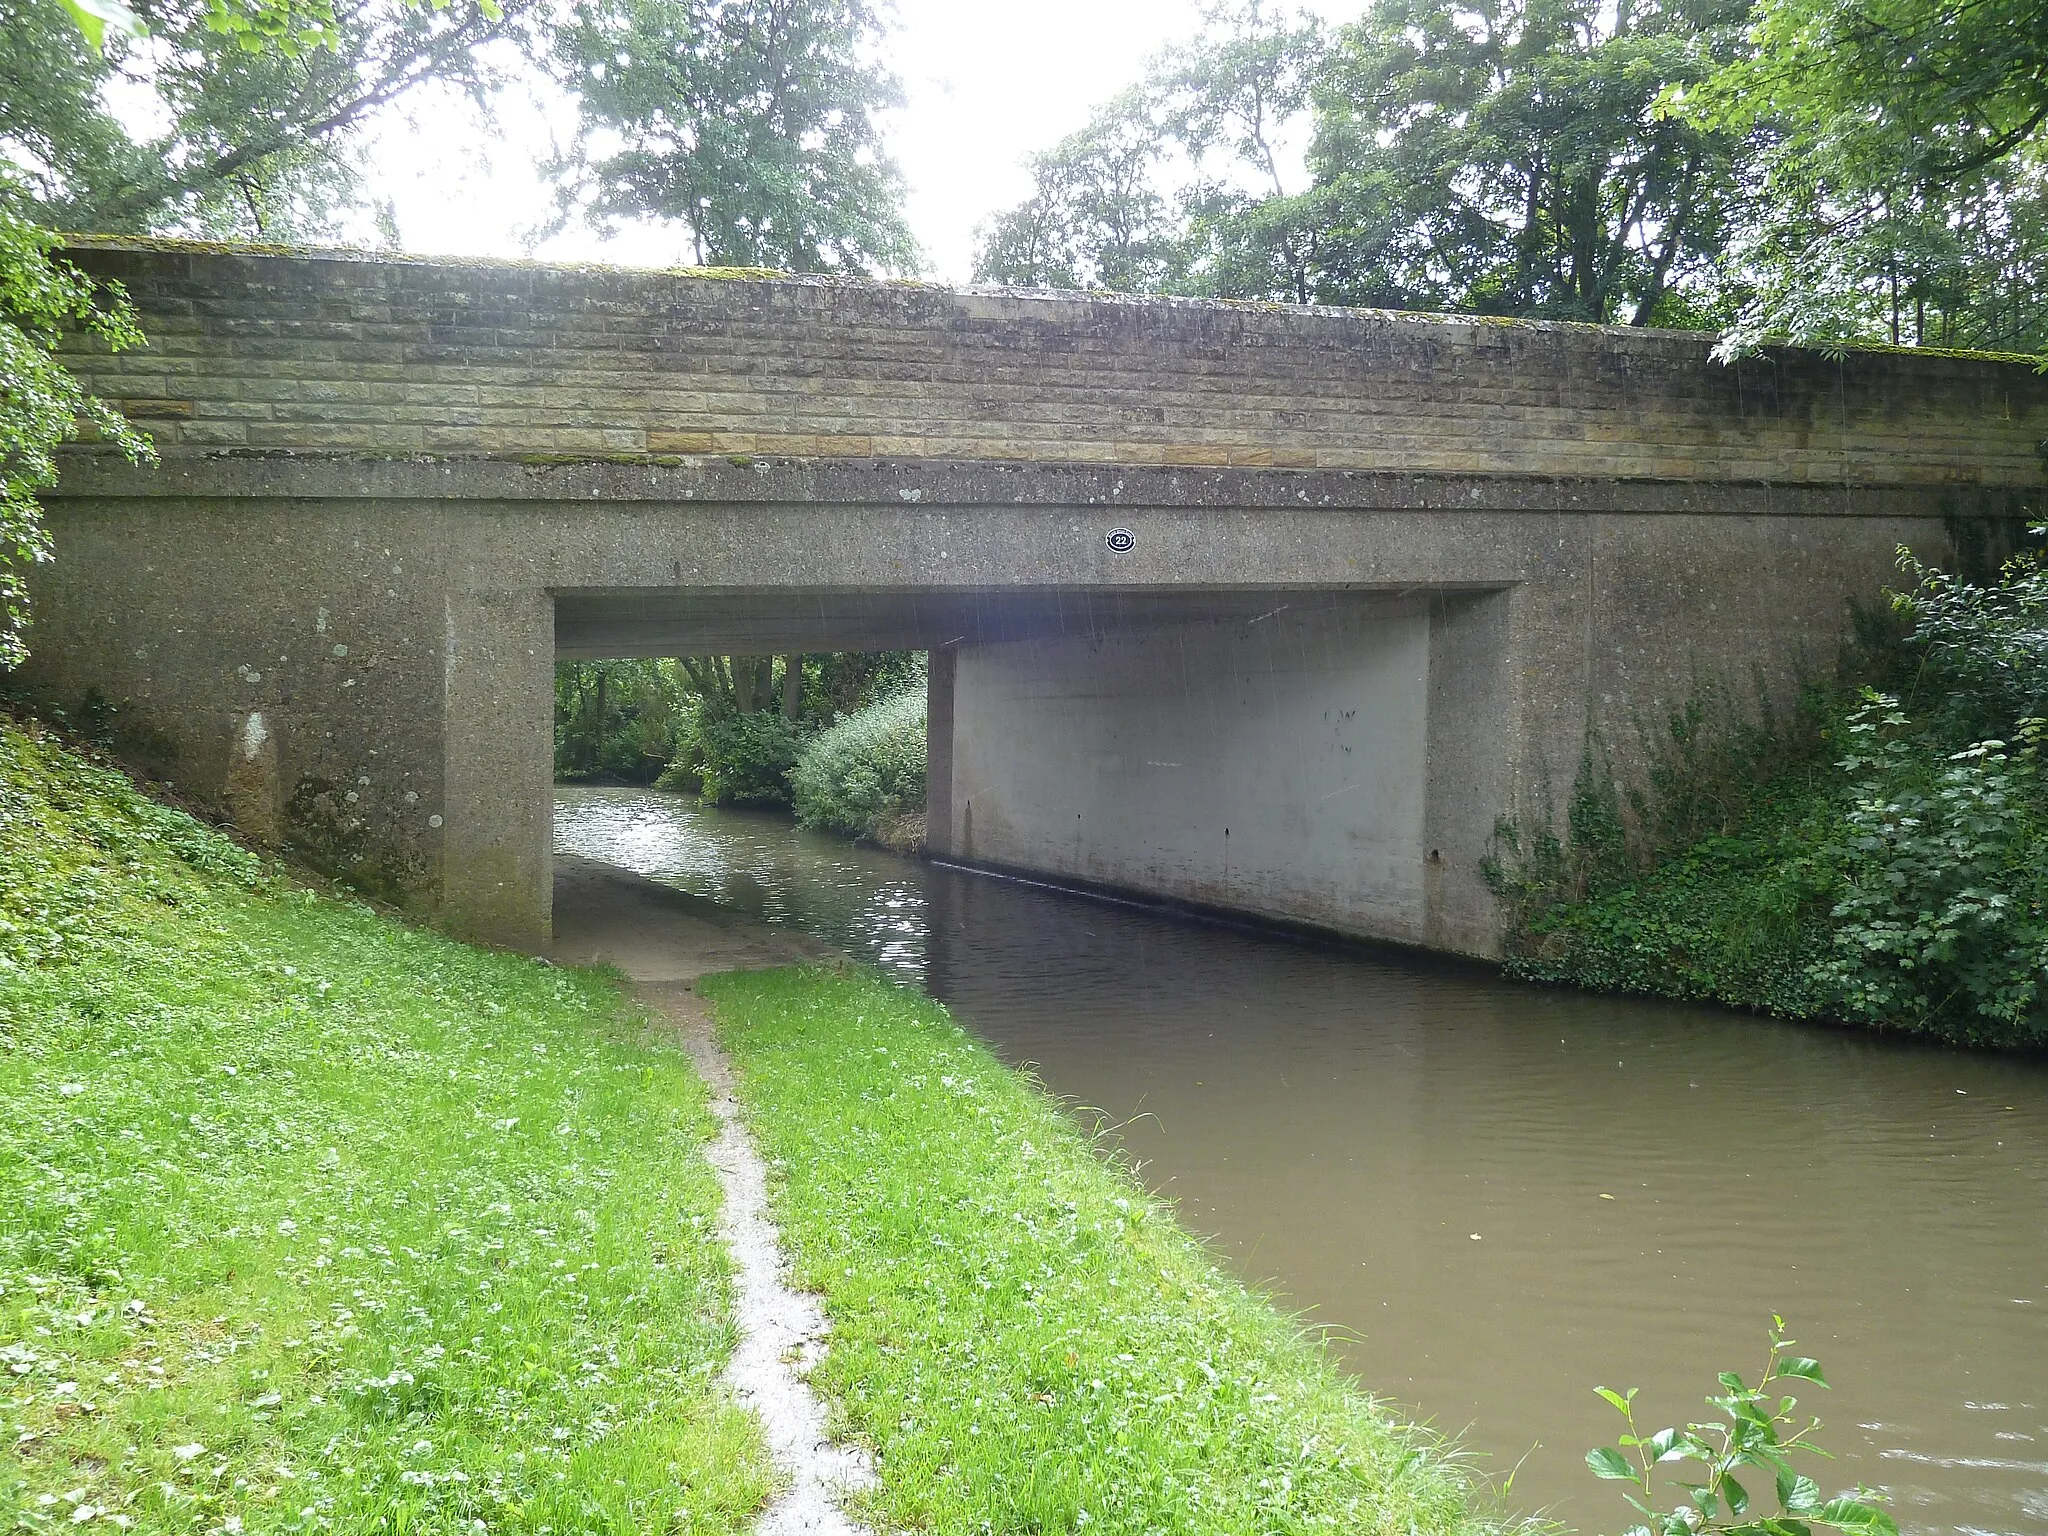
point(245, 141)
point(1820, 169)
point(1902, 153)
point(752, 123)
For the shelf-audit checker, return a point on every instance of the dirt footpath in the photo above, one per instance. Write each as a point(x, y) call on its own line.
point(664, 940)
point(656, 934)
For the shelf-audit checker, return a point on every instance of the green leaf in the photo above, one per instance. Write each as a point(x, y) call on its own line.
point(1608, 1463)
point(1737, 1496)
point(1799, 1494)
point(1846, 1514)
point(96, 18)
point(1614, 1398)
point(1803, 1366)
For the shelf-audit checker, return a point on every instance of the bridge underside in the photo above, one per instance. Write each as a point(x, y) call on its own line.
point(1269, 750)
point(1302, 696)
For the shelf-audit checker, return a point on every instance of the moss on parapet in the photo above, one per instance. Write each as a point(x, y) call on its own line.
point(368, 255)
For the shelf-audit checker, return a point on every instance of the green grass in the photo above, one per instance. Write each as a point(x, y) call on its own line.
point(1027, 1341)
point(310, 1221)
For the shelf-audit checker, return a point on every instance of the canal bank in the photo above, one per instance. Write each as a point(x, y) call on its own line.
point(316, 1221)
point(1343, 1123)
point(1019, 1333)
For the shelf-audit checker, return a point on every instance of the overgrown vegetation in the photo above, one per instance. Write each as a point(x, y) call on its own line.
point(742, 759)
point(316, 1222)
point(865, 776)
point(618, 719)
point(1881, 860)
point(1028, 1340)
point(732, 728)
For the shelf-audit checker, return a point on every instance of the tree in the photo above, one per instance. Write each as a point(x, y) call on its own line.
point(285, 26)
point(1508, 158)
point(261, 141)
point(1102, 212)
point(1225, 102)
point(750, 122)
point(1096, 217)
point(1905, 188)
point(41, 404)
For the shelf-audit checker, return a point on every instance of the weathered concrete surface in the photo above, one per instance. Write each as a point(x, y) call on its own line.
point(354, 648)
point(1275, 765)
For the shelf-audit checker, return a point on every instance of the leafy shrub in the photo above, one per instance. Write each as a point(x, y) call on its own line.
point(1985, 644)
point(1759, 1436)
point(1936, 868)
point(744, 759)
point(868, 770)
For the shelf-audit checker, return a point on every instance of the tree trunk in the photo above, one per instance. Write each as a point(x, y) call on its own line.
point(792, 687)
point(743, 684)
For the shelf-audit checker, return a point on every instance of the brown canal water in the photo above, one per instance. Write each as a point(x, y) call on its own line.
point(1495, 1196)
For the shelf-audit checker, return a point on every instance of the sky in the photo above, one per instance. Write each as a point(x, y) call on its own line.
point(985, 85)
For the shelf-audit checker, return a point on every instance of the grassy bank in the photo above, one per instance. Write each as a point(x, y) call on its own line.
point(317, 1222)
point(1026, 1340)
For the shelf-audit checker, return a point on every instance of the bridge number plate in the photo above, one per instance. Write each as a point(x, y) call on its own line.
point(1120, 540)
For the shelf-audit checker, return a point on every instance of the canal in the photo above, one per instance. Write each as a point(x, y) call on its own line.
point(1495, 1197)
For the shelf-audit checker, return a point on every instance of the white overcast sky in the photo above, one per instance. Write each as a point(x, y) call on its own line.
point(985, 85)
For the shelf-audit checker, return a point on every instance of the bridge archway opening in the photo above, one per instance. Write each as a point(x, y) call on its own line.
point(1270, 751)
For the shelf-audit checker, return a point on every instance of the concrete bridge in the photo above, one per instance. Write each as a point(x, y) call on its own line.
point(1270, 609)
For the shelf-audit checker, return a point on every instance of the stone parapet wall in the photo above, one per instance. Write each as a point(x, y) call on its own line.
point(254, 350)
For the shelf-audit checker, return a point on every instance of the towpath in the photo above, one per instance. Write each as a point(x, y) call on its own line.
point(663, 940)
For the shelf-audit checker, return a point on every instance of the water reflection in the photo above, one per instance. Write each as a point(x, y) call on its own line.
point(1496, 1196)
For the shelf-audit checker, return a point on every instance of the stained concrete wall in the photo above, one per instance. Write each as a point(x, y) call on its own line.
point(395, 624)
point(1276, 766)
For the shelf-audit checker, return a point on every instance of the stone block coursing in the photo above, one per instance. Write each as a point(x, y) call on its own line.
point(347, 352)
